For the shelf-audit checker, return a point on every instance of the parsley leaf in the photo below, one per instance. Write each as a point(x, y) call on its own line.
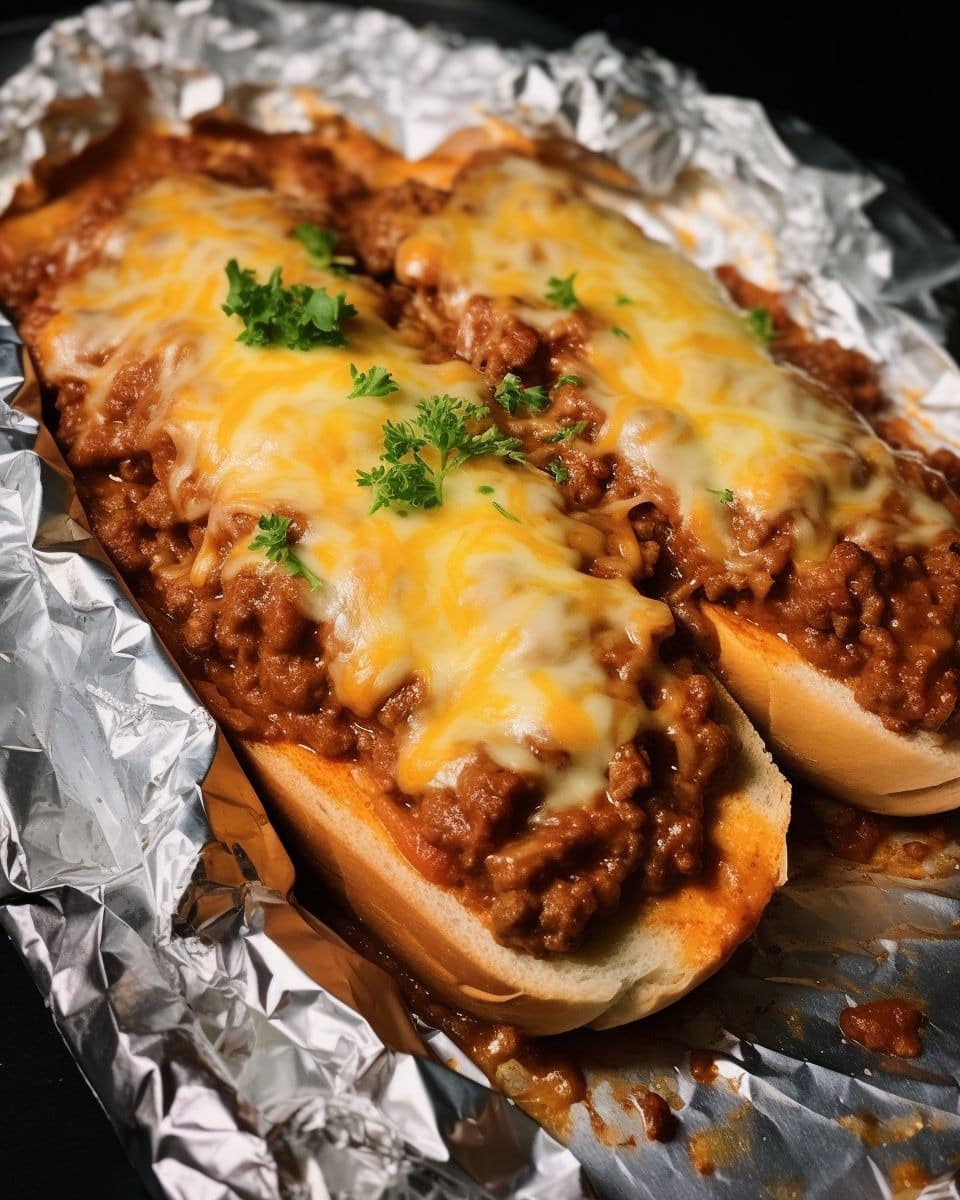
point(620, 333)
point(558, 470)
point(564, 380)
point(513, 396)
point(319, 244)
point(568, 433)
point(624, 300)
point(505, 512)
point(376, 382)
point(272, 540)
point(724, 495)
point(298, 317)
point(760, 323)
point(560, 291)
point(442, 423)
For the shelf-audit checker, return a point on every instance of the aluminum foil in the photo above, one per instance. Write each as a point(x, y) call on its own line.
point(240, 1048)
point(231, 1061)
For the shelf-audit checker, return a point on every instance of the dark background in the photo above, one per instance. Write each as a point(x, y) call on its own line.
point(885, 87)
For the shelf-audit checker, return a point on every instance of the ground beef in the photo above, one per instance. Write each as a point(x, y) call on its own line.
point(33, 275)
point(943, 460)
point(260, 664)
point(675, 844)
point(472, 819)
point(542, 883)
point(847, 372)
point(493, 341)
point(549, 881)
point(380, 221)
point(886, 625)
point(885, 621)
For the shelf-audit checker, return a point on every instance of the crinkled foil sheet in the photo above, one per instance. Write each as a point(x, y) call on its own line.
point(146, 890)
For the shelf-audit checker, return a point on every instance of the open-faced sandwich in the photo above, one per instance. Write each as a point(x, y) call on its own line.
point(445, 485)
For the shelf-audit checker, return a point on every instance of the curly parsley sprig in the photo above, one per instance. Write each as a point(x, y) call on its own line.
point(298, 317)
point(319, 244)
point(405, 479)
point(558, 469)
point(760, 323)
point(560, 292)
point(567, 433)
point(273, 540)
point(377, 381)
point(512, 395)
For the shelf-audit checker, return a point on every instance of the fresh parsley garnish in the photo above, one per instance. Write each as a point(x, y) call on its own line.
point(760, 323)
point(485, 489)
point(319, 244)
point(298, 317)
point(512, 395)
point(376, 382)
point(624, 300)
point(404, 477)
point(273, 541)
point(618, 332)
point(505, 512)
point(724, 495)
point(560, 291)
point(572, 380)
point(558, 470)
point(568, 433)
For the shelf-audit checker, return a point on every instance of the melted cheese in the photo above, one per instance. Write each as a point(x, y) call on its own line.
point(495, 616)
point(691, 397)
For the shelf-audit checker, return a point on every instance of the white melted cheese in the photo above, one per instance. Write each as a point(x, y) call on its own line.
point(493, 615)
point(691, 396)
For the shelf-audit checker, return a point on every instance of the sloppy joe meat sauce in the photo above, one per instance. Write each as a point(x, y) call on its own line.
point(889, 1026)
point(544, 1075)
point(884, 619)
point(259, 663)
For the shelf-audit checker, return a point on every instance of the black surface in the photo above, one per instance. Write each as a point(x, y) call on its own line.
point(55, 1140)
point(883, 84)
point(882, 87)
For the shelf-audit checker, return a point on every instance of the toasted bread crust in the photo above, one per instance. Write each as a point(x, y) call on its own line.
point(815, 726)
point(649, 953)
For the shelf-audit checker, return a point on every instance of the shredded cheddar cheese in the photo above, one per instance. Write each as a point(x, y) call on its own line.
point(691, 397)
point(494, 616)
